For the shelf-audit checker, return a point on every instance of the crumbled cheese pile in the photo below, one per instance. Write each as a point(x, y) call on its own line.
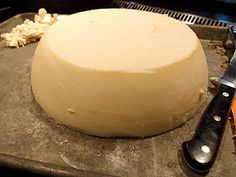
point(29, 31)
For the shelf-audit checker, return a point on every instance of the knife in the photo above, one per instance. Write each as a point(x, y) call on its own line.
point(200, 152)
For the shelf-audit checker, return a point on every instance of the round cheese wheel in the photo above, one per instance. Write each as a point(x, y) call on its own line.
point(119, 72)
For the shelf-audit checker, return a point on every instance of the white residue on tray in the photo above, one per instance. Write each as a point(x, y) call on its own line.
point(68, 161)
point(117, 161)
point(59, 141)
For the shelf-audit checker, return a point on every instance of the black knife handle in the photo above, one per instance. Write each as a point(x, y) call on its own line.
point(200, 152)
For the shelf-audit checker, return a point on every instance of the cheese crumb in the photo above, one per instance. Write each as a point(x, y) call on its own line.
point(30, 31)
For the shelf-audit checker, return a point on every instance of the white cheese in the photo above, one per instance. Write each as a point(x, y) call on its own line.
point(119, 72)
point(29, 31)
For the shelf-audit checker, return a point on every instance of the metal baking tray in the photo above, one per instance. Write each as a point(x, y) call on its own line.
point(32, 143)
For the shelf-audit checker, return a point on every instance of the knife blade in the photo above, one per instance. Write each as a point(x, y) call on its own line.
point(200, 152)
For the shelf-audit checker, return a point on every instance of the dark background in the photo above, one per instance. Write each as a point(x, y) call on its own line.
point(218, 9)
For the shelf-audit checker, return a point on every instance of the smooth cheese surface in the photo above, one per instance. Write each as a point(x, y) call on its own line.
point(119, 72)
point(121, 39)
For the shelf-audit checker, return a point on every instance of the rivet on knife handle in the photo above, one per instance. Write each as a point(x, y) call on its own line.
point(200, 152)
